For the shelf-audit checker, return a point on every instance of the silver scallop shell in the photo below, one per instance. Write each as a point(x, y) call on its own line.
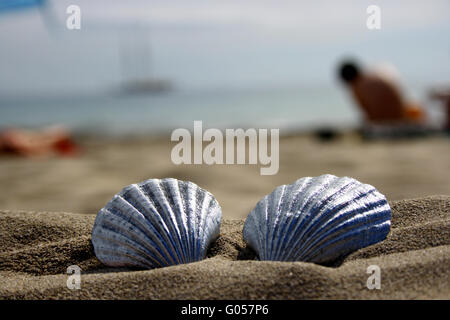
point(317, 220)
point(156, 223)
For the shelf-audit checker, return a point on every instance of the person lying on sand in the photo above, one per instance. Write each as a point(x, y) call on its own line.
point(380, 98)
point(37, 144)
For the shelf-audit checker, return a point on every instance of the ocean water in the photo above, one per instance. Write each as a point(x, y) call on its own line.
point(113, 114)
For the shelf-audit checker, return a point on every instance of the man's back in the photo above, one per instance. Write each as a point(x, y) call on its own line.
point(380, 99)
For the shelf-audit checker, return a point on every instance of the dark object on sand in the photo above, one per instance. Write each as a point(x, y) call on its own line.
point(393, 132)
point(326, 134)
point(443, 94)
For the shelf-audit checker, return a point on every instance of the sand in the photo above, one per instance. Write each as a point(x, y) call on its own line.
point(38, 241)
point(402, 169)
point(37, 248)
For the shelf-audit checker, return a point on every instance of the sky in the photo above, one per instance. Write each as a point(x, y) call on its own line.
point(211, 44)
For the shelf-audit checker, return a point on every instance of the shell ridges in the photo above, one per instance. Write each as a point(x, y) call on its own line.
point(156, 223)
point(317, 220)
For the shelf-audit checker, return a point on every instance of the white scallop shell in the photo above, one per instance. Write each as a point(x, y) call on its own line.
point(317, 220)
point(156, 223)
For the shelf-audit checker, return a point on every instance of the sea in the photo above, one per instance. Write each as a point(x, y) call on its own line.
point(114, 113)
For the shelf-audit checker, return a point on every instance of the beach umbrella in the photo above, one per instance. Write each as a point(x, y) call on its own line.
point(6, 5)
point(44, 9)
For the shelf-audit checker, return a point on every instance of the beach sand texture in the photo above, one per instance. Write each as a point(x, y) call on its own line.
point(37, 248)
point(402, 169)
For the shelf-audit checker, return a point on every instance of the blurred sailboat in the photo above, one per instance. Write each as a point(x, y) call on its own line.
point(135, 55)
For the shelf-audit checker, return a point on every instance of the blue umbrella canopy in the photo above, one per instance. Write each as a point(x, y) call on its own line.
point(19, 4)
point(44, 8)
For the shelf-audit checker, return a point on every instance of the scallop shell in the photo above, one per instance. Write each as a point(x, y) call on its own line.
point(317, 220)
point(156, 223)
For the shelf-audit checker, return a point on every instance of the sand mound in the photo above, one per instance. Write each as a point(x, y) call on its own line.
point(37, 248)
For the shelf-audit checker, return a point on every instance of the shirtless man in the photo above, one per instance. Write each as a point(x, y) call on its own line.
point(379, 98)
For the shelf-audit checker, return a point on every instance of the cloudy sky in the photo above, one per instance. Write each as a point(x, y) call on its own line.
point(217, 44)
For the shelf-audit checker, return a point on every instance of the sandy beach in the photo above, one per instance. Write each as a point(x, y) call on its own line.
point(38, 247)
point(96, 96)
point(48, 207)
point(401, 169)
